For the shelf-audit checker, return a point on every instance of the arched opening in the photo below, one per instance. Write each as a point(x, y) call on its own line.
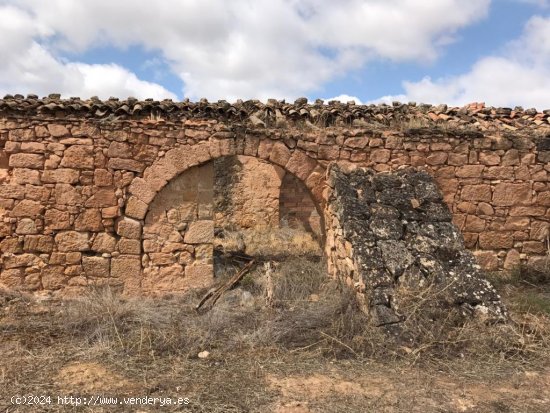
point(204, 220)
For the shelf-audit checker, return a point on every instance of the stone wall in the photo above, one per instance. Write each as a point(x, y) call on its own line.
point(82, 180)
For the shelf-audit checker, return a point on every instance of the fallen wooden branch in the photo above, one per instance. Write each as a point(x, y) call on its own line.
point(214, 294)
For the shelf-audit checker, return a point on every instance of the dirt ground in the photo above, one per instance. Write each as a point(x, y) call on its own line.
point(50, 353)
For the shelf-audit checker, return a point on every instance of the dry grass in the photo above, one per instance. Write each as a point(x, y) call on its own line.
point(312, 328)
point(270, 242)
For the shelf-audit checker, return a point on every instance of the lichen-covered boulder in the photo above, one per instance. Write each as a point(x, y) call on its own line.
point(398, 234)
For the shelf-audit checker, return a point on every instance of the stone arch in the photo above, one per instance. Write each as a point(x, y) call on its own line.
point(144, 190)
point(176, 161)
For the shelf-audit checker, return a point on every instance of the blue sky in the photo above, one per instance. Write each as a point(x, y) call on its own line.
point(432, 51)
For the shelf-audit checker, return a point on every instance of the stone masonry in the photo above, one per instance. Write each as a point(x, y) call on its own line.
point(80, 179)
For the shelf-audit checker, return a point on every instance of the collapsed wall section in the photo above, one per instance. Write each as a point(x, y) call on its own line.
point(389, 230)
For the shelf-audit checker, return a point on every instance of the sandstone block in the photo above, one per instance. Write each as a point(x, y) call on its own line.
point(517, 223)
point(457, 159)
point(21, 260)
point(58, 131)
point(128, 228)
point(222, 147)
point(529, 211)
point(56, 219)
point(72, 241)
point(499, 172)
point(488, 260)
point(533, 247)
point(104, 242)
point(300, 164)
point(198, 276)
point(33, 147)
point(66, 194)
point(142, 190)
point(102, 177)
point(136, 208)
point(437, 158)
point(27, 208)
point(26, 226)
point(78, 157)
point(330, 152)
point(126, 267)
point(512, 260)
point(264, 148)
point(12, 191)
point(483, 208)
point(62, 175)
point(474, 224)
point(129, 246)
point(88, 220)
point(380, 155)
point(476, 193)
point(161, 258)
point(10, 245)
point(126, 164)
point(280, 154)
point(12, 278)
point(493, 240)
point(489, 158)
point(539, 230)
point(119, 150)
point(103, 197)
point(199, 232)
point(96, 266)
point(53, 277)
point(26, 160)
point(508, 194)
point(359, 142)
point(38, 243)
point(470, 171)
point(510, 158)
point(23, 176)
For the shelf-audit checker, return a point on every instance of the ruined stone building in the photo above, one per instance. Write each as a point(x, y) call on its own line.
point(131, 193)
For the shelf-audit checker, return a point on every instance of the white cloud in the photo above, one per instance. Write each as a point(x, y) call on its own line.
point(345, 98)
point(253, 48)
point(521, 76)
point(29, 67)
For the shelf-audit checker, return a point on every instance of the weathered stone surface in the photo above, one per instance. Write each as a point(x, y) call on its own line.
point(508, 194)
point(58, 131)
point(476, 193)
point(56, 219)
point(427, 250)
point(72, 241)
point(127, 267)
point(129, 228)
point(62, 175)
point(199, 232)
point(492, 240)
point(23, 176)
point(103, 197)
point(27, 208)
point(53, 277)
point(103, 177)
point(129, 246)
point(88, 220)
point(26, 160)
point(78, 157)
point(38, 243)
point(96, 266)
point(104, 242)
point(135, 208)
point(126, 164)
